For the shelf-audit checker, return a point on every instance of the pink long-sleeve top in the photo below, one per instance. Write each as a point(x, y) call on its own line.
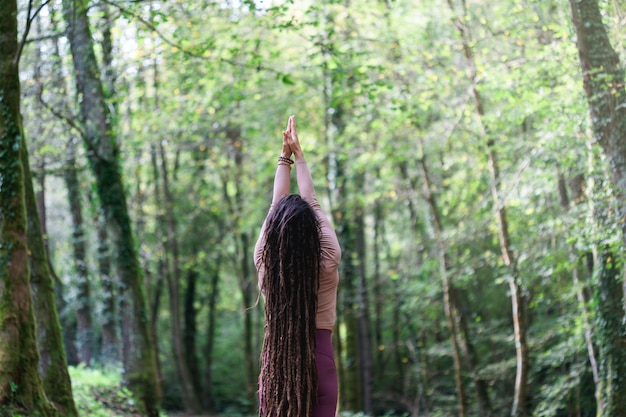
point(331, 251)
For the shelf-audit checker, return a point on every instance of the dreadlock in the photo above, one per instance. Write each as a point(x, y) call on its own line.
point(291, 263)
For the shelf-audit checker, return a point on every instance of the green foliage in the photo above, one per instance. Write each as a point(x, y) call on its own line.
point(214, 83)
point(99, 392)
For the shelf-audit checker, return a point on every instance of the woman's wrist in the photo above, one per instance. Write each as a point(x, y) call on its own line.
point(285, 159)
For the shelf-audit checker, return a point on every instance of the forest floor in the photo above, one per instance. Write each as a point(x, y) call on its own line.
point(190, 415)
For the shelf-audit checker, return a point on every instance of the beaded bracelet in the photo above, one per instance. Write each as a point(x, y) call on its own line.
point(285, 159)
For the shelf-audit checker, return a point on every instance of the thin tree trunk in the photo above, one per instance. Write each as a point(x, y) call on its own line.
point(103, 155)
point(190, 331)
point(352, 391)
point(444, 267)
point(211, 330)
point(470, 355)
point(247, 297)
point(352, 395)
point(425, 369)
point(242, 258)
point(20, 384)
point(362, 299)
point(161, 266)
point(108, 282)
point(331, 167)
point(189, 394)
point(154, 315)
point(518, 408)
point(581, 294)
point(79, 246)
point(352, 399)
point(379, 243)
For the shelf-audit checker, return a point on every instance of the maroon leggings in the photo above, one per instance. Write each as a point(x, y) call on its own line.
point(327, 387)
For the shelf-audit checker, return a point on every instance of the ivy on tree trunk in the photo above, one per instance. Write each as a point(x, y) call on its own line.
point(20, 384)
point(103, 155)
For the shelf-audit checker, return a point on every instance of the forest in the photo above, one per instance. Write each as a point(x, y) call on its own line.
point(470, 153)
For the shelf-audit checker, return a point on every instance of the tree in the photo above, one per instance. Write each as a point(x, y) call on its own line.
point(53, 361)
point(83, 312)
point(518, 302)
point(52, 357)
point(603, 82)
point(99, 138)
point(173, 278)
point(20, 384)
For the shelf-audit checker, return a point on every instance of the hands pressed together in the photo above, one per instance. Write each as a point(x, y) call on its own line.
point(291, 144)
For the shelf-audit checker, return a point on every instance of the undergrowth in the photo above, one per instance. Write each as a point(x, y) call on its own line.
point(99, 393)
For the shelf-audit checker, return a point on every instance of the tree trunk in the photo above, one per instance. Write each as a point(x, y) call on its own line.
point(103, 155)
point(609, 325)
point(68, 319)
point(242, 258)
point(108, 73)
point(190, 332)
point(210, 338)
point(248, 329)
point(444, 267)
point(189, 394)
point(352, 396)
point(518, 408)
point(155, 301)
point(52, 359)
point(362, 301)
point(21, 387)
point(108, 282)
point(470, 354)
point(581, 292)
point(379, 284)
point(603, 82)
point(79, 246)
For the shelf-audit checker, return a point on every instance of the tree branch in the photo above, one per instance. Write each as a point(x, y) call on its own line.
point(188, 52)
point(63, 117)
point(29, 22)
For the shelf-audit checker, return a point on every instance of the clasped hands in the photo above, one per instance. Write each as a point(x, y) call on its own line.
point(291, 144)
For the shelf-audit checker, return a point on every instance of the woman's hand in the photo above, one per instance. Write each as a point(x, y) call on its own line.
point(286, 151)
point(292, 139)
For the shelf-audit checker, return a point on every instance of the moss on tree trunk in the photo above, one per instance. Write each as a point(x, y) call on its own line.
point(20, 384)
point(603, 81)
point(103, 155)
point(611, 337)
point(53, 361)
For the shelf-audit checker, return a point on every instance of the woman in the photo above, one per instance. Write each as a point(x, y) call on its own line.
point(297, 256)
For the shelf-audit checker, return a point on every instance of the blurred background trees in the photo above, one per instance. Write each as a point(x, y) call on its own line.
point(478, 205)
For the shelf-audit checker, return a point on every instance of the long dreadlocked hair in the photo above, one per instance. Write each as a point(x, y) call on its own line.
point(291, 262)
